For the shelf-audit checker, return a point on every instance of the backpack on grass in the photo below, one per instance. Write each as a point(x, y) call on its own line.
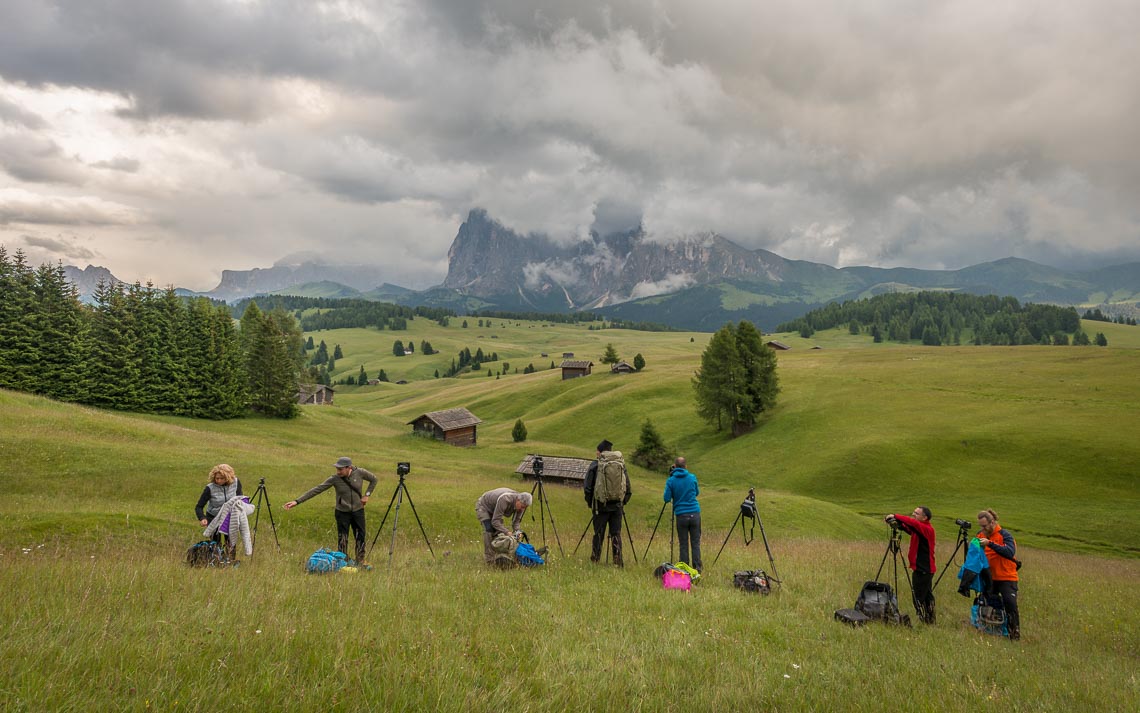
point(752, 580)
point(611, 482)
point(207, 553)
point(528, 556)
point(324, 561)
point(877, 602)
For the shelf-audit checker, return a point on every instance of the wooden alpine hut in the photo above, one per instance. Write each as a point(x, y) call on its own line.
point(557, 469)
point(572, 369)
point(455, 426)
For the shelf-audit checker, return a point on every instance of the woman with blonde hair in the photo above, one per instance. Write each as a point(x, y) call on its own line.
point(222, 486)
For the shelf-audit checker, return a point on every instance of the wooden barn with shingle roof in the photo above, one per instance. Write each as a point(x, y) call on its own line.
point(571, 368)
point(455, 426)
point(557, 469)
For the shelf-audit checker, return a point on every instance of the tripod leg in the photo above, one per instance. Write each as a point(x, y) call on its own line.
point(654, 533)
point(418, 522)
point(583, 537)
point(771, 560)
point(738, 516)
point(395, 524)
point(672, 527)
point(629, 535)
point(550, 514)
point(383, 520)
point(536, 493)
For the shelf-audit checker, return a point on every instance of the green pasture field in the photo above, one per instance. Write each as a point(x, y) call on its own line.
point(100, 614)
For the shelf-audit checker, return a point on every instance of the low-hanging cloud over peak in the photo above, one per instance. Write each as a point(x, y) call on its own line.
point(894, 133)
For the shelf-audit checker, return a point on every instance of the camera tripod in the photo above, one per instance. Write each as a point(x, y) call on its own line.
point(654, 533)
point(894, 551)
point(260, 495)
point(625, 522)
point(397, 498)
point(962, 544)
point(748, 510)
point(538, 492)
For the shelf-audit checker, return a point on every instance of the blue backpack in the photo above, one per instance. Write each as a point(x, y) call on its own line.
point(527, 556)
point(324, 561)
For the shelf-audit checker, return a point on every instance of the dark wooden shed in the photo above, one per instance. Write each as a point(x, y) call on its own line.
point(557, 469)
point(779, 346)
point(455, 426)
point(622, 367)
point(315, 394)
point(572, 369)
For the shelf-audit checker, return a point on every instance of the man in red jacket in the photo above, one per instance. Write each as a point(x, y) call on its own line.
point(921, 558)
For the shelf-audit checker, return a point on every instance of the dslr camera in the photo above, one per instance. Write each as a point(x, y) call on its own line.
point(964, 524)
point(536, 465)
point(892, 521)
point(748, 507)
point(403, 468)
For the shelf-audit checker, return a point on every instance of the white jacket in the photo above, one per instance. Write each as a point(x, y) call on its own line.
point(238, 511)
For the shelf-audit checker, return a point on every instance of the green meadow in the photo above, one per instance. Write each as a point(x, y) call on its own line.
point(99, 613)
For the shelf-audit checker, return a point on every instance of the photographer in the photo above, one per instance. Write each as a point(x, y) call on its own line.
point(921, 558)
point(681, 489)
point(350, 501)
point(491, 507)
point(1001, 552)
point(606, 500)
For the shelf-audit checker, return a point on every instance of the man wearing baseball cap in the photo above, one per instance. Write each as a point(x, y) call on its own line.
point(350, 501)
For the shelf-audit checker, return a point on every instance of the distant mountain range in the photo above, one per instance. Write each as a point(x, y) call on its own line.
point(697, 282)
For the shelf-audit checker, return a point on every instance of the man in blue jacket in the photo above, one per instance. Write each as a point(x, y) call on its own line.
point(681, 489)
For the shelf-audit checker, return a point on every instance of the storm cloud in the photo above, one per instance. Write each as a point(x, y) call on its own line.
point(234, 132)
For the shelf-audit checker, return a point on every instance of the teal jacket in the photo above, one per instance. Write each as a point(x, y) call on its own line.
point(681, 488)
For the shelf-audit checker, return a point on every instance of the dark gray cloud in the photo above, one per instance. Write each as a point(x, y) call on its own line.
point(890, 133)
point(61, 246)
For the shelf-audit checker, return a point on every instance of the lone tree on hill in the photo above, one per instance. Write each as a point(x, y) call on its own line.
point(518, 433)
point(611, 355)
point(652, 453)
point(638, 362)
point(737, 380)
point(398, 348)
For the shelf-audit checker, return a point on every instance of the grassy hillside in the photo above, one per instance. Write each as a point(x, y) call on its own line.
point(99, 614)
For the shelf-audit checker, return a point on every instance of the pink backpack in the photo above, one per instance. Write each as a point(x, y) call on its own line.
point(673, 579)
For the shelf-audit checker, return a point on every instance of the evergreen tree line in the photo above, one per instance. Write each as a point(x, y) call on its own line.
point(1095, 315)
point(556, 317)
point(938, 318)
point(468, 360)
point(343, 313)
point(141, 349)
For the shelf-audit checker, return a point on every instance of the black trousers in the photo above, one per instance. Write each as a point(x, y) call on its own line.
point(604, 518)
point(922, 584)
point(1008, 593)
point(689, 533)
point(355, 520)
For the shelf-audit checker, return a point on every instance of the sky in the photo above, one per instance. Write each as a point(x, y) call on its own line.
point(168, 140)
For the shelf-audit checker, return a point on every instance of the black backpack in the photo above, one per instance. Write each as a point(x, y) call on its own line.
point(877, 602)
point(206, 553)
point(752, 580)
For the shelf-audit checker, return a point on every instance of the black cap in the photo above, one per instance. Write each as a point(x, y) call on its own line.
point(605, 446)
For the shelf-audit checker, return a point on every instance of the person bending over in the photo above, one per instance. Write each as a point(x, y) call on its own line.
point(491, 507)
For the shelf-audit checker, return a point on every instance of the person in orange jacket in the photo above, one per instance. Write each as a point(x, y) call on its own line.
point(1001, 551)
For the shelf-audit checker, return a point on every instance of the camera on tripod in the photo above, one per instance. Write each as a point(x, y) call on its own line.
point(892, 521)
point(964, 524)
point(748, 507)
point(403, 468)
point(536, 465)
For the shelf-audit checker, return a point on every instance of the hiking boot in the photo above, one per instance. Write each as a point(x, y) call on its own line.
point(616, 546)
point(1015, 633)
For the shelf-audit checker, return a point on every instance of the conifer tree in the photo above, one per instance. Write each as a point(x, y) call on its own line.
point(651, 451)
point(337, 353)
point(18, 351)
point(110, 367)
point(719, 381)
point(58, 323)
point(638, 362)
point(611, 355)
point(518, 433)
point(362, 377)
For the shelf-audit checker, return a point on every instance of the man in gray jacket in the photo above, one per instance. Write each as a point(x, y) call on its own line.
point(491, 507)
point(350, 501)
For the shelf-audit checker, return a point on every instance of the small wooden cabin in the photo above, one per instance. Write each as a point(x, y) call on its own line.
point(572, 369)
point(622, 367)
point(557, 469)
point(779, 346)
point(455, 426)
point(315, 394)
